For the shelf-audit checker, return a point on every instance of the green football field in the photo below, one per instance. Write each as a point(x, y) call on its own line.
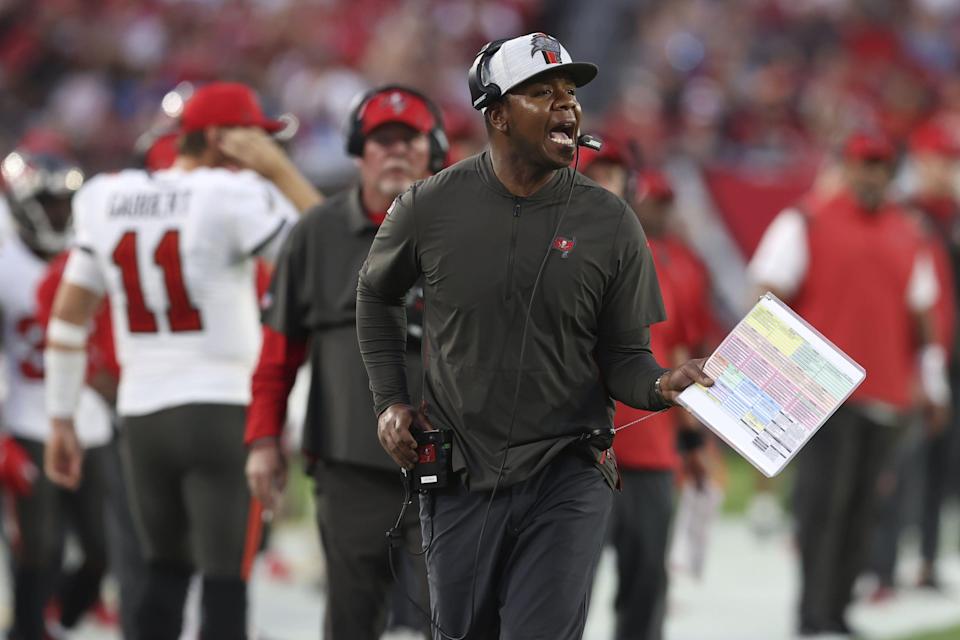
point(953, 633)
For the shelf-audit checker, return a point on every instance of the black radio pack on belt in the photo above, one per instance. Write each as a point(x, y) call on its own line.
point(433, 459)
point(601, 439)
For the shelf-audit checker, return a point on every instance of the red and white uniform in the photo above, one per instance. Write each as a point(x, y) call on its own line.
point(689, 276)
point(652, 444)
point(877, 263)
point(101, 353)
point(174, 251)
point(23, 412)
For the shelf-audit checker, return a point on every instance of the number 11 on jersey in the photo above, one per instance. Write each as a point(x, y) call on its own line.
point(181, 312)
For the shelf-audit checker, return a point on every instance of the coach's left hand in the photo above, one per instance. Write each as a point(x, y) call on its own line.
point(678, 379)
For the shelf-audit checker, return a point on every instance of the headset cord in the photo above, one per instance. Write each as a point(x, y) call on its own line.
point(639, 420)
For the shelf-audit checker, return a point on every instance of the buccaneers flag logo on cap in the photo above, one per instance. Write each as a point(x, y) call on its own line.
point(547, 45)
point(397, 102)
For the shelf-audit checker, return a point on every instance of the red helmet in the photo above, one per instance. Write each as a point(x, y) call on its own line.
point(654, 185)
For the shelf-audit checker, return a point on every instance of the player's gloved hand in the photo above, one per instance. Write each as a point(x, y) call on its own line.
point(394, 431)
point(267, 473)
point(678, 379)
point(17, 471)
point(63, 455)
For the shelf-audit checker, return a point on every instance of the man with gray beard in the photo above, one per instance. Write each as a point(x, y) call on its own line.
point(397, 136)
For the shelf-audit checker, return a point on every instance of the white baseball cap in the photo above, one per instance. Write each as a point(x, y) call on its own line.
point(517, 60)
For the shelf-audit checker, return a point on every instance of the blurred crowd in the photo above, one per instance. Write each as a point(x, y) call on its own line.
point(756, 94)
point(761, 81)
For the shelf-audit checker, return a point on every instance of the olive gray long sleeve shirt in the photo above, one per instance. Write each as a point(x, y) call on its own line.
point(478, 249)
point(313, 299)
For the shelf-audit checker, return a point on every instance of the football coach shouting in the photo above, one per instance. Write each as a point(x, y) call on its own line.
point(539, 290)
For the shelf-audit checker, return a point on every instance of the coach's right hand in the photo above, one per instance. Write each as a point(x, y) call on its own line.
point(266, 473)
point(393, 429)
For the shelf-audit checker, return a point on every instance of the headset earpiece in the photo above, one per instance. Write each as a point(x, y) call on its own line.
point(354, 136)
point(439, 144)
point(481, 93)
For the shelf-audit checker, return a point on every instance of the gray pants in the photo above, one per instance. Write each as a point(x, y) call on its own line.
point(188, 494)
point(541, 540)
point(835, 489)
point(920, 470)
point(936, 467)
point(355, 508)
point(126, 561)
point(42, 519)
point(640, 531)
point(898, 481)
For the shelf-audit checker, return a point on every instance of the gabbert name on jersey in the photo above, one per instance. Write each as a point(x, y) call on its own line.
point(147, 204)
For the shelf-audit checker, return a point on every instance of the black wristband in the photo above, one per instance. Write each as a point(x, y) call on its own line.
point(690, 439)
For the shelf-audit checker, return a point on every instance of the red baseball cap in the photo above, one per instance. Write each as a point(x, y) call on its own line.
point(162, 152)
point(612, 151)
point(396, 105)
point(654, 185)
point(868, 146)
point(225, 104)
point(933, 138)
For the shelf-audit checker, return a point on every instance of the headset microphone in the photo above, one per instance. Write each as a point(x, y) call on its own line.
point(590, 142)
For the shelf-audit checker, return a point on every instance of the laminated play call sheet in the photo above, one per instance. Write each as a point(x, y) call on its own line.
point(777, 380)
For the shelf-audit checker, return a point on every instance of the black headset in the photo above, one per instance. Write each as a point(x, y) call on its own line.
point(481, 93)
point(439, 145)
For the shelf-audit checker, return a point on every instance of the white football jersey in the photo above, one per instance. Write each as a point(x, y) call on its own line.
point(22, 412)
point(174, 251)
